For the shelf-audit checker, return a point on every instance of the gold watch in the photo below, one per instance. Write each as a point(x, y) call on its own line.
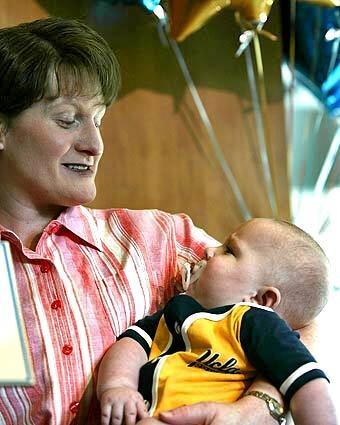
point(274, 407)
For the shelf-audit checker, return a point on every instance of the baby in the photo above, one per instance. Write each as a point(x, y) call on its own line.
point(209, 343)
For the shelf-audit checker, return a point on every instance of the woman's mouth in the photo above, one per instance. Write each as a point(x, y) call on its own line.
point(78, 168)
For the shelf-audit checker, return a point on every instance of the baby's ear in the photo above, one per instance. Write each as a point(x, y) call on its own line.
point(268, 296)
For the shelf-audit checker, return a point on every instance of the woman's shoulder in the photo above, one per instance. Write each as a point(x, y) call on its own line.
point(153, 223)
point(137, 216)
point(121, 213)
point(146, 221)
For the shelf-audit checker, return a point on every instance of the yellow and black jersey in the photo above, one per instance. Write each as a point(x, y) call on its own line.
point(197, 354)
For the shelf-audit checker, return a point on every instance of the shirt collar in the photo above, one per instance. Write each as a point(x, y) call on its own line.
point(78, 220)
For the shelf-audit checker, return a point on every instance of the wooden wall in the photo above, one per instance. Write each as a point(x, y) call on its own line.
point(157, 152)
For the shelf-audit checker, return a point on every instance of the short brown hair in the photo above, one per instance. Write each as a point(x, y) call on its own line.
point(300, 270)
point(30, 53)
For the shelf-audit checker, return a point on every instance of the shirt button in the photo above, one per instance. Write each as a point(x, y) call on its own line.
point(53, 228)
point(45, 268)
point(74, 406)
point(67, 349)
point(56, 304)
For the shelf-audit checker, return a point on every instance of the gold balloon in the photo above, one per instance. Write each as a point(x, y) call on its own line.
point(252, 10)
point(187, 16)
point(327, 3)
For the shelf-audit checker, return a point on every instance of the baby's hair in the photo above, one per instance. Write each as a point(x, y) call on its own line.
point(299, 268)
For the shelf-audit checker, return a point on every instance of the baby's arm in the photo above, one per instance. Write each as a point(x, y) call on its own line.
point(312, 404)
point(117, 388)
point(323, 409)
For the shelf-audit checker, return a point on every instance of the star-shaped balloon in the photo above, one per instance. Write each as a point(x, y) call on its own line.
point(327, 3)
point(187, 16)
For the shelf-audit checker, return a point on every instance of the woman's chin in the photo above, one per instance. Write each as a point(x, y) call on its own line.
point(80, 198)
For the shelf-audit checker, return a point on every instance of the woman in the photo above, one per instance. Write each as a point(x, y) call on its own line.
point(83, 275)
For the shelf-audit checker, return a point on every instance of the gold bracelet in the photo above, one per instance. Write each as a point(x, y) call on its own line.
point(275, 409)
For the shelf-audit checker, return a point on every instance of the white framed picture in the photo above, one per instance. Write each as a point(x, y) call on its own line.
point(15, 362)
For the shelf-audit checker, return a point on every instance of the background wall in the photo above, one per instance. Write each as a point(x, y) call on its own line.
point(157, 152)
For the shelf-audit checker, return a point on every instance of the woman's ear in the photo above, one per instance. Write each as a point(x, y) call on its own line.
point(268, 296)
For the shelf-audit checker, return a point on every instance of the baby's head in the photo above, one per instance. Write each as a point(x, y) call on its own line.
point(269, 262)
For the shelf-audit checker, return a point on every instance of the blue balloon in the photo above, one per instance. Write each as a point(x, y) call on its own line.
point(149, 5)
point(316, 56)
point(331, 91)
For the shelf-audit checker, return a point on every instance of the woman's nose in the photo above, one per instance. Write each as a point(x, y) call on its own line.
point(90, 142)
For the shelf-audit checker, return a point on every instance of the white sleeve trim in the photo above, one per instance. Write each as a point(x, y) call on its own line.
point(142, 333)
point(295, 375)
point(263, 307)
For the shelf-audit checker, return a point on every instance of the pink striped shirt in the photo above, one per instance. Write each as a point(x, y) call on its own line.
point(93, 273)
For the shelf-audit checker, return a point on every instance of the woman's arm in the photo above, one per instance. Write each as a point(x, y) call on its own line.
point(245, 411)
point(309, 336)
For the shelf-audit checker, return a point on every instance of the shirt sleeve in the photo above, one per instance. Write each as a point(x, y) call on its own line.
point(191, 241)
point(276, 351)
point(144, 330)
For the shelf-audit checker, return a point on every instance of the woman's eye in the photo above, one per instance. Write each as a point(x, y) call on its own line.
point(66, 123)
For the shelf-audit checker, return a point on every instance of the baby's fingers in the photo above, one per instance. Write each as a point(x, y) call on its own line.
point(130, 413)
point(105, 417)
point(142, 411)
point(112, 414)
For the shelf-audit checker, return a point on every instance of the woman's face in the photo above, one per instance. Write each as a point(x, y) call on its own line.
point(51, 151)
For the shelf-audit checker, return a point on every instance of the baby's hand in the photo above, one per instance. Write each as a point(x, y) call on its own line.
point(121, 405)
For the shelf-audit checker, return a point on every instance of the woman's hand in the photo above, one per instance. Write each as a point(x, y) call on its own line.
point(202, 414)
point(246, 411)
